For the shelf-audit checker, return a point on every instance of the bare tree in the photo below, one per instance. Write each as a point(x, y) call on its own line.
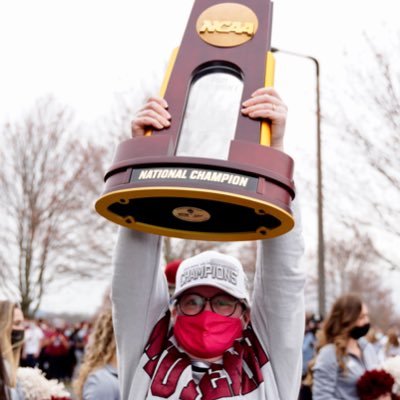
point(376, 294)
point(355, 265)
point(349, 257)
point(361, 181)
point(366, 142)
point(49, 178)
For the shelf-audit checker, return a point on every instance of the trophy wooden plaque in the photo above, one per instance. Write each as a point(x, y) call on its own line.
point(245, 197)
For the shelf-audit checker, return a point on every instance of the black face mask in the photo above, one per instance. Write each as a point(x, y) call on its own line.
point(17, 335)
point(359, 331)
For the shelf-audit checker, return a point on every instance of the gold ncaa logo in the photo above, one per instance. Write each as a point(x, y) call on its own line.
point(227, 25)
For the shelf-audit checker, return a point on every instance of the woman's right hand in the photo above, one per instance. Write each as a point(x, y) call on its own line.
point(153, 115)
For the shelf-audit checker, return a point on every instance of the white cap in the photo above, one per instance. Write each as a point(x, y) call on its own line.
point(212, 269)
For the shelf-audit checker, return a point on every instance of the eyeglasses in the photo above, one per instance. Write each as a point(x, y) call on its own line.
point(223, 304)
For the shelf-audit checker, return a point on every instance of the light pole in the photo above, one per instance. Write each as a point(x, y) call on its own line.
point(320, 219)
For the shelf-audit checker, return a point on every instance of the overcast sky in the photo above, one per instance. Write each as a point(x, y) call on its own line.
point(85, 52)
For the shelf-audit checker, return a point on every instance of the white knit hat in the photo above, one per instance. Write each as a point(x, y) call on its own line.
point(212, 269)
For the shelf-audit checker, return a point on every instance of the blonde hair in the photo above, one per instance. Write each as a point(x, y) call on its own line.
point(10, 353)
point(336, 329)
point(101, 350)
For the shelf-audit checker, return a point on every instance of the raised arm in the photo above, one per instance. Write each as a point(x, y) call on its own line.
point(139, 288)
point(278, 306)
point(139, 296)
point(278, 301)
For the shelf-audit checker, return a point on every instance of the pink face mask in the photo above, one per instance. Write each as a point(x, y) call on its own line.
point(207, 335)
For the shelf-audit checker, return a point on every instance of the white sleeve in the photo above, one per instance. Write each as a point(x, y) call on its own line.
point(139, 296)
point(278, 306)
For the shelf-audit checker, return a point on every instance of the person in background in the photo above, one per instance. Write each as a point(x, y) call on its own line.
point(44, 359)
point(345, 353)
point(56, 347)
point(32, 345)
point(392, 346)
point(97, 377)
point(377, 339)
point(313, 323)
point(170, 273)
point(78, 341)
point(11, 341)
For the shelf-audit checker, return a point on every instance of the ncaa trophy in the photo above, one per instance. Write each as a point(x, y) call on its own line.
point(150, 187)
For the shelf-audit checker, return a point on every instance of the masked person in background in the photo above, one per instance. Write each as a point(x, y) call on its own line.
point(11, 341)
point(213, 343)
point(345, 354)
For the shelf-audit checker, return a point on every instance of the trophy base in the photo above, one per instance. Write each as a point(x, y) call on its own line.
point(195, 213)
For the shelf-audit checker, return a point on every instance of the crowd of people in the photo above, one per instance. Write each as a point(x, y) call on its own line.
point(55, 347)
point(343, 356)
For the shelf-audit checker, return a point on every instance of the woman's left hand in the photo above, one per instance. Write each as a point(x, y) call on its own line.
point(266, 103)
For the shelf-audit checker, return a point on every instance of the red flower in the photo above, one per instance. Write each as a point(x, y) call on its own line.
point(374, 383)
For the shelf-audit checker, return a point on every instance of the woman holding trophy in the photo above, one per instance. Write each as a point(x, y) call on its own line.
point(209, 341)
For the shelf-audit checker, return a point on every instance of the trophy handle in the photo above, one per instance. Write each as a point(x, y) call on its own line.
point(167, 75)
point(265, 136)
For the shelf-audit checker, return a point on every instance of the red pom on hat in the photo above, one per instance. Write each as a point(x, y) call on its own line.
point(170, 271)
point(374, 383)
